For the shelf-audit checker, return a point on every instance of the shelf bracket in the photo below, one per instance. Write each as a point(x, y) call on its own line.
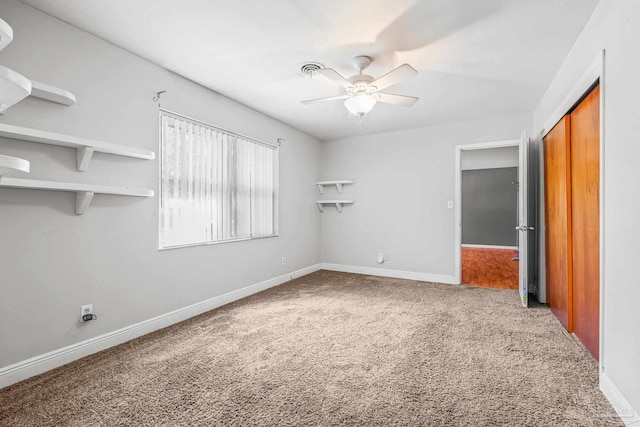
point(83, 157)
point(339, 207)
point(320, 206)
point(339, 187)
point(321, 190)
point(83, 200)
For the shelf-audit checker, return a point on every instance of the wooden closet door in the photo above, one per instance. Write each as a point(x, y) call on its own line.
point(557, 194)
point(585, 211)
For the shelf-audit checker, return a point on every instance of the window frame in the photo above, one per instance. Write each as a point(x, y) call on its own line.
point(276, 175)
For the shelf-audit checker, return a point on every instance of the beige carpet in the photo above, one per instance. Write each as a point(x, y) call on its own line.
point(332, 349)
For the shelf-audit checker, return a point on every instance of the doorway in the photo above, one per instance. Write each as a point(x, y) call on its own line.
point(489, 217)
point(482, 251)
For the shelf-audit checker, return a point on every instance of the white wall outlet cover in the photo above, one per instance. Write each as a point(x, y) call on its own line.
point(380, 258)
point(86, 309)
point(450, 204)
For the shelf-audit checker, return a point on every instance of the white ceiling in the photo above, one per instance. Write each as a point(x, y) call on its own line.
point(475, 58)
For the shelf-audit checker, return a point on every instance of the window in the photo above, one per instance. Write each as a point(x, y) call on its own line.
point(215, 186)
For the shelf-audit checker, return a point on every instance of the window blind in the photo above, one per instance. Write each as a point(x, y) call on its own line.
point(216, 186)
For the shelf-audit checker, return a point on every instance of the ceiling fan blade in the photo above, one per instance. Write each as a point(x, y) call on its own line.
point(394, 76)
point(401, 100)
point(334, 76)
point(331, 98)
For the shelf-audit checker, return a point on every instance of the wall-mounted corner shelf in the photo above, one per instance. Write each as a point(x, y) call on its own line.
point(338, 204)
point(9, 164)
point(6, 34)
point(338, 184)
point(84, 147)
point(12, 91)
point(14, 88)
point(84, 192)
point(52, 93)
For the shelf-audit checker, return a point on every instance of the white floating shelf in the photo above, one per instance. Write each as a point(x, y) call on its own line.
point(84, 147)
point(52, 93)
point(6, 34)
point(14, 88)
point(84, 192)
point(338, 184)
point(9, 164)
point(338, 204)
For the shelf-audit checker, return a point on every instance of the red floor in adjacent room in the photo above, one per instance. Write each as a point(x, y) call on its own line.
point(490, 268)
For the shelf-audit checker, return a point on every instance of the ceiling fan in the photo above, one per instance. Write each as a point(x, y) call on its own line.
point(362, 90)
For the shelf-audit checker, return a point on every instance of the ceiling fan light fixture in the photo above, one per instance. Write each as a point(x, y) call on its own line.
point(360, 104)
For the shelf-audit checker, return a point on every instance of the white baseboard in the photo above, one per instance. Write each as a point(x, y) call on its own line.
point(36, 365)
point(513, 248)
point(398, 274)
point(623, 408)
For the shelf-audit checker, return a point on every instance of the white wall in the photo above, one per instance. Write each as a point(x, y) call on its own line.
point(490, 158)
point(52, 261)
point(615, 27)
point(403, 182)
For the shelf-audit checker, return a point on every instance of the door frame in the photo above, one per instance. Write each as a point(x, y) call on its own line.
point(595, 73)
point(458, 195)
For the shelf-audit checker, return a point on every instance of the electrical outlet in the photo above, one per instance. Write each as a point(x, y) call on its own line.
point(450, 204)
point(380, 258)
point(284, 260)
point(86, 309)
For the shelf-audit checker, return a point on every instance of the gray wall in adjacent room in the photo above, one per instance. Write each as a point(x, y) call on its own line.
point(489, 206)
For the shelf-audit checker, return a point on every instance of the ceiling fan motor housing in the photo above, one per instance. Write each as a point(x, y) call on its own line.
point(361, 83)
